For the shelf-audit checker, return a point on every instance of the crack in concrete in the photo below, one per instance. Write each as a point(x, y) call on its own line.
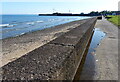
point(61, 44)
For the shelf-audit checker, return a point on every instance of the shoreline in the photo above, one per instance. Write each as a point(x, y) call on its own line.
point(15, 47)
point(49, 28)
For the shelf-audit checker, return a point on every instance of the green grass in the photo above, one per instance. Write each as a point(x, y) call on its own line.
point(115, 19)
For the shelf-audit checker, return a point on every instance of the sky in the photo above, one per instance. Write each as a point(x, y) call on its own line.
point(52, 6)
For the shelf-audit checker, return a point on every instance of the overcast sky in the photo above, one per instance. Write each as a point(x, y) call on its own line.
point(50, 6)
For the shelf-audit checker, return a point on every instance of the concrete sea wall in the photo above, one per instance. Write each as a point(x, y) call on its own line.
point(57, 60)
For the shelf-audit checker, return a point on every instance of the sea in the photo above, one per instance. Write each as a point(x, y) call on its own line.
point(16, 25)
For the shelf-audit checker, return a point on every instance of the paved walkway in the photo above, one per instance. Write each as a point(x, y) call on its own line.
point(106, 58)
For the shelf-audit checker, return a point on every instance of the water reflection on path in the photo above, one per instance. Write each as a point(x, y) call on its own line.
point(89, 71)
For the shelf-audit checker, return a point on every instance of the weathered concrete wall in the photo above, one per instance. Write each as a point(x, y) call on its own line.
point(57, 60)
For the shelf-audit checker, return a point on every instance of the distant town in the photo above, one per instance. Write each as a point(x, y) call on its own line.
point(93, 13)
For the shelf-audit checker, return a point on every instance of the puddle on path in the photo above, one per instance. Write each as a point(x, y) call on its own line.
point(89, 68)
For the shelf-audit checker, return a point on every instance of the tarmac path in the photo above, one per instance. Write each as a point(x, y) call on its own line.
point(105, 63)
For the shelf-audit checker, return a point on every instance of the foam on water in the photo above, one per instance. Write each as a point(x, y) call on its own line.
point(30, 23)
point(1, 25)
point(7, 25)
point(22, 33)
point(39, 21)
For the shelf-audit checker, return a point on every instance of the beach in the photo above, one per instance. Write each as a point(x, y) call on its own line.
point(15, 47)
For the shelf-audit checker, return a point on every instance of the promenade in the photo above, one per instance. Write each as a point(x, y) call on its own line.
point(105, 57)
point(64, 53)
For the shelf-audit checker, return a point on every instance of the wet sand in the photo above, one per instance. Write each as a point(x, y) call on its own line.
point(15, 47)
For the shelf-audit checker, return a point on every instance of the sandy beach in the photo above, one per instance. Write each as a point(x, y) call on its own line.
point(15, 47)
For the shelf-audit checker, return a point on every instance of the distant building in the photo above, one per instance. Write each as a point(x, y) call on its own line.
point(113, 13)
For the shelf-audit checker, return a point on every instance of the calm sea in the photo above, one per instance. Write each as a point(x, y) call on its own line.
point(15, 25)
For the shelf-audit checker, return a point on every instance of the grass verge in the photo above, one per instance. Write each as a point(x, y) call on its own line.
point(115, 19)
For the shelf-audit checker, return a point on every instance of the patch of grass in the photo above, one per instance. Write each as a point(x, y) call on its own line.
point(115, 19)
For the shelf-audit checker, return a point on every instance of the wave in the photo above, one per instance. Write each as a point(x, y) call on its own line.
point(19, 34)
point(30, 23)
point(51, 20)
point(39, 21)
point(7, 25)
point(10, 26)
point(22, 33)
point(1, 25)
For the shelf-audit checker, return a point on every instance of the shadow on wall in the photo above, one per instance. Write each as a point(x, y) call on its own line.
point(86, 68)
